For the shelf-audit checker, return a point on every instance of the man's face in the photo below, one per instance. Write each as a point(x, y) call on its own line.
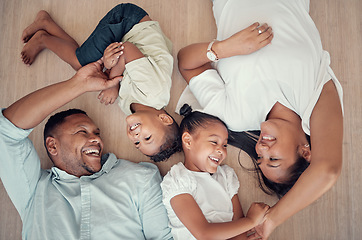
point(78, 146)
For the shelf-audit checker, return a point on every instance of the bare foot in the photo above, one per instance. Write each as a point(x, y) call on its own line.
point(38, 24)
point(33, 47)
point(109, 95)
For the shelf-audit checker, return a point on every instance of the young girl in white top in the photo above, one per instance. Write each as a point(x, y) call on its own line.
point(200, 195)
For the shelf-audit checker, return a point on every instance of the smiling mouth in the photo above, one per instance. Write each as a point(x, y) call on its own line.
point(134, 126)
point(214, 159)
point(92, 152)
point(268, 138)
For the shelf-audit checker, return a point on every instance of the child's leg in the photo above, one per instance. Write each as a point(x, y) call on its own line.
point(45, 33)
point(110, 95)
point(117, 22)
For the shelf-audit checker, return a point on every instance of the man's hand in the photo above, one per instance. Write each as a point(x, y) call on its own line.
point(30, 110)
point(91, 78)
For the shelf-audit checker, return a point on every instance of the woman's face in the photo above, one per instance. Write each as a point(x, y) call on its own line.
point(278, 148)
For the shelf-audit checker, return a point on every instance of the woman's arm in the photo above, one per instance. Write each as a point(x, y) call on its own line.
point(192, 60)
point(326, 161)
point(190, 214)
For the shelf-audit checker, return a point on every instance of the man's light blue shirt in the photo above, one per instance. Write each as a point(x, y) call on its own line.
point(121, 201)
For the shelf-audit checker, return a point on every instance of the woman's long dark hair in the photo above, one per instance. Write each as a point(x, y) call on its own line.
point(246, 141)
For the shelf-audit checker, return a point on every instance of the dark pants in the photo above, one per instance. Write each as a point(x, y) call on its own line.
point(110, 29)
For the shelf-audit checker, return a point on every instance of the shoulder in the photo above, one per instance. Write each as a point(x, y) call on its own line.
point(226, 170)
point(141, 173)
point(231, 179)
point(177, 181)
point(177, 171)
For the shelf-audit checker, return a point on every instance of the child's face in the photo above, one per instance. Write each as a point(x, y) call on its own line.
point(147, 131)
point(207, 148)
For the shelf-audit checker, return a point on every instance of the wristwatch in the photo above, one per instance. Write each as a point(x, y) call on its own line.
point(211, 55)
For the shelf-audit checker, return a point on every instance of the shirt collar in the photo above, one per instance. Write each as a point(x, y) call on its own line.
point(108, 160)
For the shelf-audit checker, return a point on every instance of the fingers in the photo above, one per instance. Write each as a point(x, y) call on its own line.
point(100, 61)
point(106, 100)
point(254, 26)
point(114, 49)
point(264, 34)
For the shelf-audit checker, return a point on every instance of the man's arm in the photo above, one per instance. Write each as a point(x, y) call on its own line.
point(32, 109)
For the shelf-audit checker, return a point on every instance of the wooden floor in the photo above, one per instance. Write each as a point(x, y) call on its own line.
point(337, 215)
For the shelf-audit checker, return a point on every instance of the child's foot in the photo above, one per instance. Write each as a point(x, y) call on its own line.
point(38, 24)
point(33, 47)
point(109, 95)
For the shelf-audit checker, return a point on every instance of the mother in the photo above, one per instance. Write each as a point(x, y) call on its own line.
point(286, 90)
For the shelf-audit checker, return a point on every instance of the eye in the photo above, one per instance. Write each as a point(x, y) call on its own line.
point(136, 143)
point(225, 145)
point(81, 131)
point(148, 138)
point(273, 159)
point(213, 142)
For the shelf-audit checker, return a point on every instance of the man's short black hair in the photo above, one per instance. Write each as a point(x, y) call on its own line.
point(56, 120)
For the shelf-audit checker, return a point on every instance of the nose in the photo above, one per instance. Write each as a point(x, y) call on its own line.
point(262, 148)
point(95, 138)
point(221, 151)
point(136, 132)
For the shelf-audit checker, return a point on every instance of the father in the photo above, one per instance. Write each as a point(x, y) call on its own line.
point(85, 195)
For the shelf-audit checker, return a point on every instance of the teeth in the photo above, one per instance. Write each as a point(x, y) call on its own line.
point(92, 151)
point(133, 127)
point(214, 159)
point(268, 138)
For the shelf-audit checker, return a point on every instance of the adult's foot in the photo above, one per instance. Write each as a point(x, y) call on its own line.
point(33, 47)
point(38, 24)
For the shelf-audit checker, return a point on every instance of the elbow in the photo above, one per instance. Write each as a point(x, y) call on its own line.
point(204, 234)
point(331, 173)
point(180, 61)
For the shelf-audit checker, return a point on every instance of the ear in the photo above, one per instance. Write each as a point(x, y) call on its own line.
point(51, 146)
point(165, 119)
point(186, 140)
point(305, 152)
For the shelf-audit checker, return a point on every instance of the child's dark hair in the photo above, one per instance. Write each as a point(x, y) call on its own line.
point(56, 120)
point(171, 145)
point(195, 119)
point(246, 141)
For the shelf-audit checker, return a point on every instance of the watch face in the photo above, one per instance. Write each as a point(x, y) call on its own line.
point(210, 55)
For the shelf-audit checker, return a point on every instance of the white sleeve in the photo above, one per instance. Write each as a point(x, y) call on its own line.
point(177, 181)
point(232, 180)
point(209, 90)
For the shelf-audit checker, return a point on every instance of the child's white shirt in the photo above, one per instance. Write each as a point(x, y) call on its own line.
point(213, 194)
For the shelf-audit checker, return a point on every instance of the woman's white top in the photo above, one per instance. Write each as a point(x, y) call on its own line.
point(213, 194)
point(292, 70)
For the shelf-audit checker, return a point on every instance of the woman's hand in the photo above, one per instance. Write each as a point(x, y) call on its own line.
point(245, 42)
point(263, 230)
point(112, 54)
